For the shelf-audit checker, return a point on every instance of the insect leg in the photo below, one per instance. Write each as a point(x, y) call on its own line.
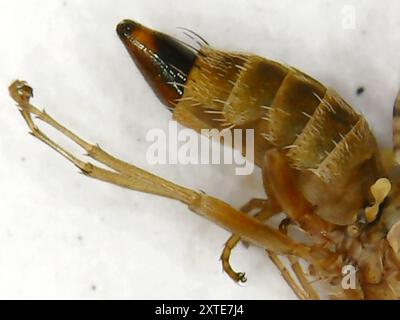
point(296, 267)
point(287, 276)
point(134, 178)
point(305, 291)
point(92, 150)
point(230, 244)
point(266, 210)
point(255, 203)
point(305, 283)
point(125, 175)
point(280, 183)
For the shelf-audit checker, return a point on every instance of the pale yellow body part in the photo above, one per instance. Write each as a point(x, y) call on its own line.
point(380, 190)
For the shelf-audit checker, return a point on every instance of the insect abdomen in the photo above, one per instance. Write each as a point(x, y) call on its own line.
point(287, 109)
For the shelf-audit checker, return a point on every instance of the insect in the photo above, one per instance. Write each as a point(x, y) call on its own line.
point(322, 168)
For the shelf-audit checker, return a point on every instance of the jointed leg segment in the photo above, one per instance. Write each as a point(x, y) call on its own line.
point(123, 174)
point(300, 293)
point(266, 210)
point(305, 283)
point(303, 288)
point(132, 177)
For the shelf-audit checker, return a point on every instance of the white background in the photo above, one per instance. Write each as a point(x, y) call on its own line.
point(63, 235)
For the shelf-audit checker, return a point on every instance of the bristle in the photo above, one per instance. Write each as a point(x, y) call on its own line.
point(219, 120)
point(184, 99)
point(214, 111)
point(306, 114)
point(173, 83)
point(219, 101)
point(230, 127)
point(325, 102)
point(227, 124)
point(195, 34)
point(291, 146)
point(179, 70)
point(266, 107)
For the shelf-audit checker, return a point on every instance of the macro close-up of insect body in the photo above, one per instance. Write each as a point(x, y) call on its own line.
point(336, 193)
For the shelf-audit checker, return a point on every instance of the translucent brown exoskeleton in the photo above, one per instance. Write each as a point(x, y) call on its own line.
point(322, 168)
